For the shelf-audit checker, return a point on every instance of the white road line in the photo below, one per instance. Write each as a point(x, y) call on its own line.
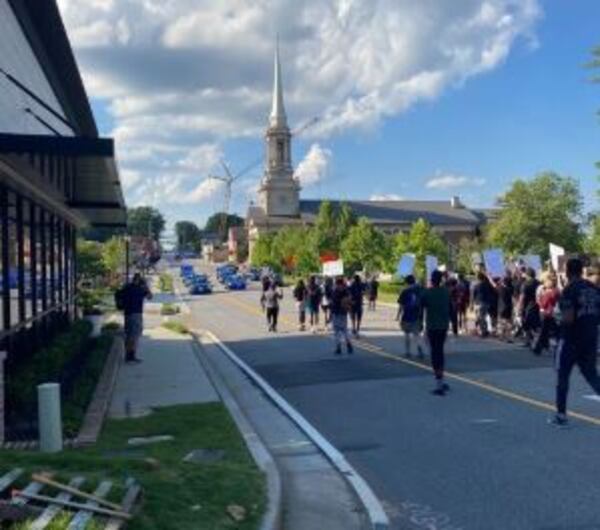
point(377, 516)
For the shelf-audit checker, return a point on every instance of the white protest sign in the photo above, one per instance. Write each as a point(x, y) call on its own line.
point(555, 253)
point(333, 268)
point(534, 261)
point(406, 265)
point(431, 264)
point(494, 262)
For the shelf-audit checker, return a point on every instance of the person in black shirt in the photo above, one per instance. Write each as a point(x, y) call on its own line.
point(357, 291)
point(528, 306)
point(505, 290)
point(341, 303)
point(373, 293)
point(132, 297)
point(300, 295)
point(579, 314)
point(314, 298)
point(482, 299)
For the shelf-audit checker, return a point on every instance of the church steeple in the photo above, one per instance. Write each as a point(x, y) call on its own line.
point(278, 117)
point(279, 191)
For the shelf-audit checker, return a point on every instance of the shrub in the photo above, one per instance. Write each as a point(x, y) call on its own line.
point(177, 327)
point(169, 309)
point(165, 283)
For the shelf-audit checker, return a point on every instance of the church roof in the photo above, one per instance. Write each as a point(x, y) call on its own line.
point(438, 213)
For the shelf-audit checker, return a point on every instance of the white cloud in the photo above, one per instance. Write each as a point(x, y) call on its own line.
point(313, 168)
point(179, 74)
point(386, 197)
point(448, 180)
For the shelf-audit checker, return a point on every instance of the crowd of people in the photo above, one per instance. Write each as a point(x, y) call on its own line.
point(547, 312)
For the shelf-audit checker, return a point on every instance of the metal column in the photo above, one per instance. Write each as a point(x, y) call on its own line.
point(20, 260)
point(5, 240)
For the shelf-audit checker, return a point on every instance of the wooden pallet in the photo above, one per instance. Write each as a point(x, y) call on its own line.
point(34, 503)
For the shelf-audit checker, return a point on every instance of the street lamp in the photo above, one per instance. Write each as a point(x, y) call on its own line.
point(127, 242)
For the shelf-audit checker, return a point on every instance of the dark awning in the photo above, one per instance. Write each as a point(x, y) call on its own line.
point(98, 197)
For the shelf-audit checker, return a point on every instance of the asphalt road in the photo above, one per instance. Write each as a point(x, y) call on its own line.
point(483, 457)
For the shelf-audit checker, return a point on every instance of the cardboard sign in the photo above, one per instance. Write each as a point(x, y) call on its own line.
point(431, 264)
point(406, 265)
point(494, 262)
point(534, 261)
point(333, 268)
point(555, 253)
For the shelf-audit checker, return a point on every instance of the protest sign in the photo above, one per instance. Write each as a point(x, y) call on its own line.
point(493, 259)
point(406, 265)
point(555, 253)
point(431, 264)
point(333, 268)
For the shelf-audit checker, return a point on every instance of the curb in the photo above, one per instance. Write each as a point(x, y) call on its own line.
point(377, 517)
point(272, 519)
point(98, 407)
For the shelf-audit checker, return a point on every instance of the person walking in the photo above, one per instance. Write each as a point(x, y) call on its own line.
point(463, 302)
point(300, 293)
point(315, 296)
point(505, 290)
point(547, 299)
point(436, 304)
point(481, 300)
point(270, 302)
point(528, 306)
point(579, 306)
point(326, 301)
point(341, 302)
point(130, 298)
point(452, 286)
point(357, 293)
point(410, 316)
point(373, 293)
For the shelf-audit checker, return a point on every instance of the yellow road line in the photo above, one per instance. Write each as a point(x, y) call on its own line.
point(379, 351)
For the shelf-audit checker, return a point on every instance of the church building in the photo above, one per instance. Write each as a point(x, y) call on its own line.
point(279, 202)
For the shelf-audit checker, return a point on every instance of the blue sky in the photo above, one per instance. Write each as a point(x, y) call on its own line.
point(534, 110)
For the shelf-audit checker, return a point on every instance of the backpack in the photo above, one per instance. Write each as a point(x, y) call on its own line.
point(120, 298)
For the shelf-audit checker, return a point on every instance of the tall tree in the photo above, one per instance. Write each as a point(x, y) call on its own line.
point(113, 256)
point(189, 236)
point(145, 221)
point(90, 264)
point(365, 248)
point(220, 223)
point(263, 255)
point(345, 220)
point(293, 248)
point(421, 240)
point(546, 209)
point(325, 230)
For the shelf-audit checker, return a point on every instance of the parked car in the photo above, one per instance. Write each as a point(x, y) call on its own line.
point(200, 287)
point(235, 282)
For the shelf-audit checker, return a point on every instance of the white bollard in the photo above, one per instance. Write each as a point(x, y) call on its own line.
point(49, 418)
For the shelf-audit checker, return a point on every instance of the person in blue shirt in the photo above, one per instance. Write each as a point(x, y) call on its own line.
point(410, 315)
point(132, 296)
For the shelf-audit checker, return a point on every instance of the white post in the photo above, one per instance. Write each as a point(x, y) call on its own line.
point(49, 418)
point(2, 358)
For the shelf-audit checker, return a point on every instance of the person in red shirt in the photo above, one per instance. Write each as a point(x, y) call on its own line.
point(547, 299)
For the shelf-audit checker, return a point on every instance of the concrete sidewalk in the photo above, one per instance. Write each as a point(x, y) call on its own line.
point(170, 374)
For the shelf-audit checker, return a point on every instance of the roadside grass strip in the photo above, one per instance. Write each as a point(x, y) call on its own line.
point(226, 493)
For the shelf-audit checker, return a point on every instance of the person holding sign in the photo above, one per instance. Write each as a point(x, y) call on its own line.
point(436, 303)
point(580, 312)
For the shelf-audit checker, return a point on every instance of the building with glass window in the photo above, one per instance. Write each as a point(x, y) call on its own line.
point(56, 175)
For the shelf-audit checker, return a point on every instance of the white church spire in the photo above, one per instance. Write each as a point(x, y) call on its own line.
point(278, 117)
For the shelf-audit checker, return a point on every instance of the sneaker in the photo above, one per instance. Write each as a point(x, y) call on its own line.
point(445, 387)
point(559, 420)
point(338, 351)
point(439, 391)
point(350, 348)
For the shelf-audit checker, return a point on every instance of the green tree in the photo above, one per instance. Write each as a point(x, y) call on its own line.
point(220, 223)
point(421, 240)
point(262, 254)
point(90, 264)
point(547, 209)
point(592, 242)
point(145, 221)
point(365, 248)
point(345, 220)
point(293, 248)
point(325, 230)
point(189, 236)
point(113, 256)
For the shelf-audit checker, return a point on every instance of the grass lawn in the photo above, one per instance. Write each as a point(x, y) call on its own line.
point(176, 495)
